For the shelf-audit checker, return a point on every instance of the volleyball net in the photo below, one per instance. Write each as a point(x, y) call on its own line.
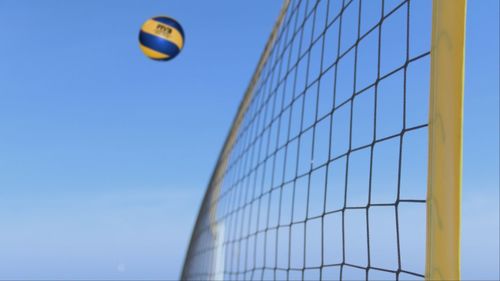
point(335, 167)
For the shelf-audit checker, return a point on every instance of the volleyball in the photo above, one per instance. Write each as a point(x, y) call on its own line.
point(161, 38)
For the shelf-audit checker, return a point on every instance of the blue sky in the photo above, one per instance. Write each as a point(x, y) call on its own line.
point(480, 194)
point(105, 155)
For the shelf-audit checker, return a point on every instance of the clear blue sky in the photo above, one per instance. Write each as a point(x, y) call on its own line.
point(105, 155)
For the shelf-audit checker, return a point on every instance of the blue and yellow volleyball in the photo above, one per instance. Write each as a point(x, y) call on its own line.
point(161, 38)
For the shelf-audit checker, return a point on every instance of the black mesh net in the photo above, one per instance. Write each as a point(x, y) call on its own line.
point(327, 175)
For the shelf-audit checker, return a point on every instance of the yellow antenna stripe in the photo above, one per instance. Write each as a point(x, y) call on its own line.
point(445, 140)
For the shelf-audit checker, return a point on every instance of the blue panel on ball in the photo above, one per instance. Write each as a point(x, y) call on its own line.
point(158, 44)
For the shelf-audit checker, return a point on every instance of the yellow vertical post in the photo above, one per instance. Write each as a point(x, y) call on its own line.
point(445, 140)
